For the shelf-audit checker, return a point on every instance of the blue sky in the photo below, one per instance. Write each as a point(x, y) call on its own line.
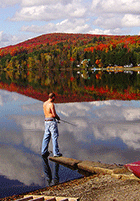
point(24, 19)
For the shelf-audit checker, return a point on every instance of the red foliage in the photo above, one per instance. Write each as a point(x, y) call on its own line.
point(71, 79)
point(97, 61)
point(44, 40)
point(72, 59)
point(113, 41)
point(97, 76)
point(54, 38)
point(101, 93)
point(115, 95)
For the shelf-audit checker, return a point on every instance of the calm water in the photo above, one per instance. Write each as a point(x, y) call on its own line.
point(21, 133)
point(106, 131)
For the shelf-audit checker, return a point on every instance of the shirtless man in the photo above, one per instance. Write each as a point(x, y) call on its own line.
point(51, 128)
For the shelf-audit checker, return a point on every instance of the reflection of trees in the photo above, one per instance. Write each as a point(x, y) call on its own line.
point(99, 85)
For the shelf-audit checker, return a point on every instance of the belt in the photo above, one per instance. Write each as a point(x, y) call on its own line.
point(49, 119)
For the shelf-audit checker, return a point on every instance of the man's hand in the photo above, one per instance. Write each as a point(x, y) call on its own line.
point(57, 117)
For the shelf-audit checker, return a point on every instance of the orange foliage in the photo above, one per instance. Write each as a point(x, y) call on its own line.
point(54, 38)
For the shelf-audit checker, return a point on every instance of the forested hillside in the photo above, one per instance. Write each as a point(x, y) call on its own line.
point(65, 50)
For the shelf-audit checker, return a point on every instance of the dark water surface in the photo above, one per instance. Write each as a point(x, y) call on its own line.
point(106, 131)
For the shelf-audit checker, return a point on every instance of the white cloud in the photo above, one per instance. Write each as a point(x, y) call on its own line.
point(9, 39)
point(130, 20)
point(54, 11)
point(36, 2)
point(31, 123)
point(65, 26)
point(100, 31)
point(4, 97)
point(117, 31)
point(13, 161)
point(1, 32)
point(113, 6)
point(114, 16)
point(76, 19)
point(7, 3)
point(105, 120)
point(4, 39)
point(127, 132)
point(73, 26)
point(44, 2)
point(50, 27)
point(131, 114)
point(109, 21)
point(32, 13)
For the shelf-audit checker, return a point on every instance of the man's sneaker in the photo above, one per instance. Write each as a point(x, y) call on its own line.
point(58, 155)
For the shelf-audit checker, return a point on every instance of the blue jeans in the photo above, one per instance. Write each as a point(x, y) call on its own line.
point(51, 130)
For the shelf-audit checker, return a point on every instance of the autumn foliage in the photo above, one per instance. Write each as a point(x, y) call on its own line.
point(87, 42)
point(51, 63)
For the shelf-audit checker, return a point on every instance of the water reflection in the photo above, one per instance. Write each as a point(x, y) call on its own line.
point(21, 133)
point(79, 84)
point(106, 131)
point(51, 177)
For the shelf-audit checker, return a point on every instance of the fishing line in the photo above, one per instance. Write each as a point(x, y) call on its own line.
point(66, 122)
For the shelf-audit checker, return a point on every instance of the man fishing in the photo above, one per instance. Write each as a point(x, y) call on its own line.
point(51, 128)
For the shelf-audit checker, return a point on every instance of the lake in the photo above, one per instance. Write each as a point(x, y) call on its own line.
point(75, 85)
point(106, 131)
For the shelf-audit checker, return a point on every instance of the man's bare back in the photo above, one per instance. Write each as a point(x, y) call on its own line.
point(49, 109)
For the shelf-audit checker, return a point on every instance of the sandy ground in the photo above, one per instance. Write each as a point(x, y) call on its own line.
point(95, 187)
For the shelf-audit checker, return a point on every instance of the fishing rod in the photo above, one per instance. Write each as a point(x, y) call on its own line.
point(66, 122)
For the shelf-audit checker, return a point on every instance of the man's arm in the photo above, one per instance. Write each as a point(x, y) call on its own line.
point(54, 114)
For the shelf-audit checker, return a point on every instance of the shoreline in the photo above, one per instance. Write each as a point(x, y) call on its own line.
point(106, 182)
